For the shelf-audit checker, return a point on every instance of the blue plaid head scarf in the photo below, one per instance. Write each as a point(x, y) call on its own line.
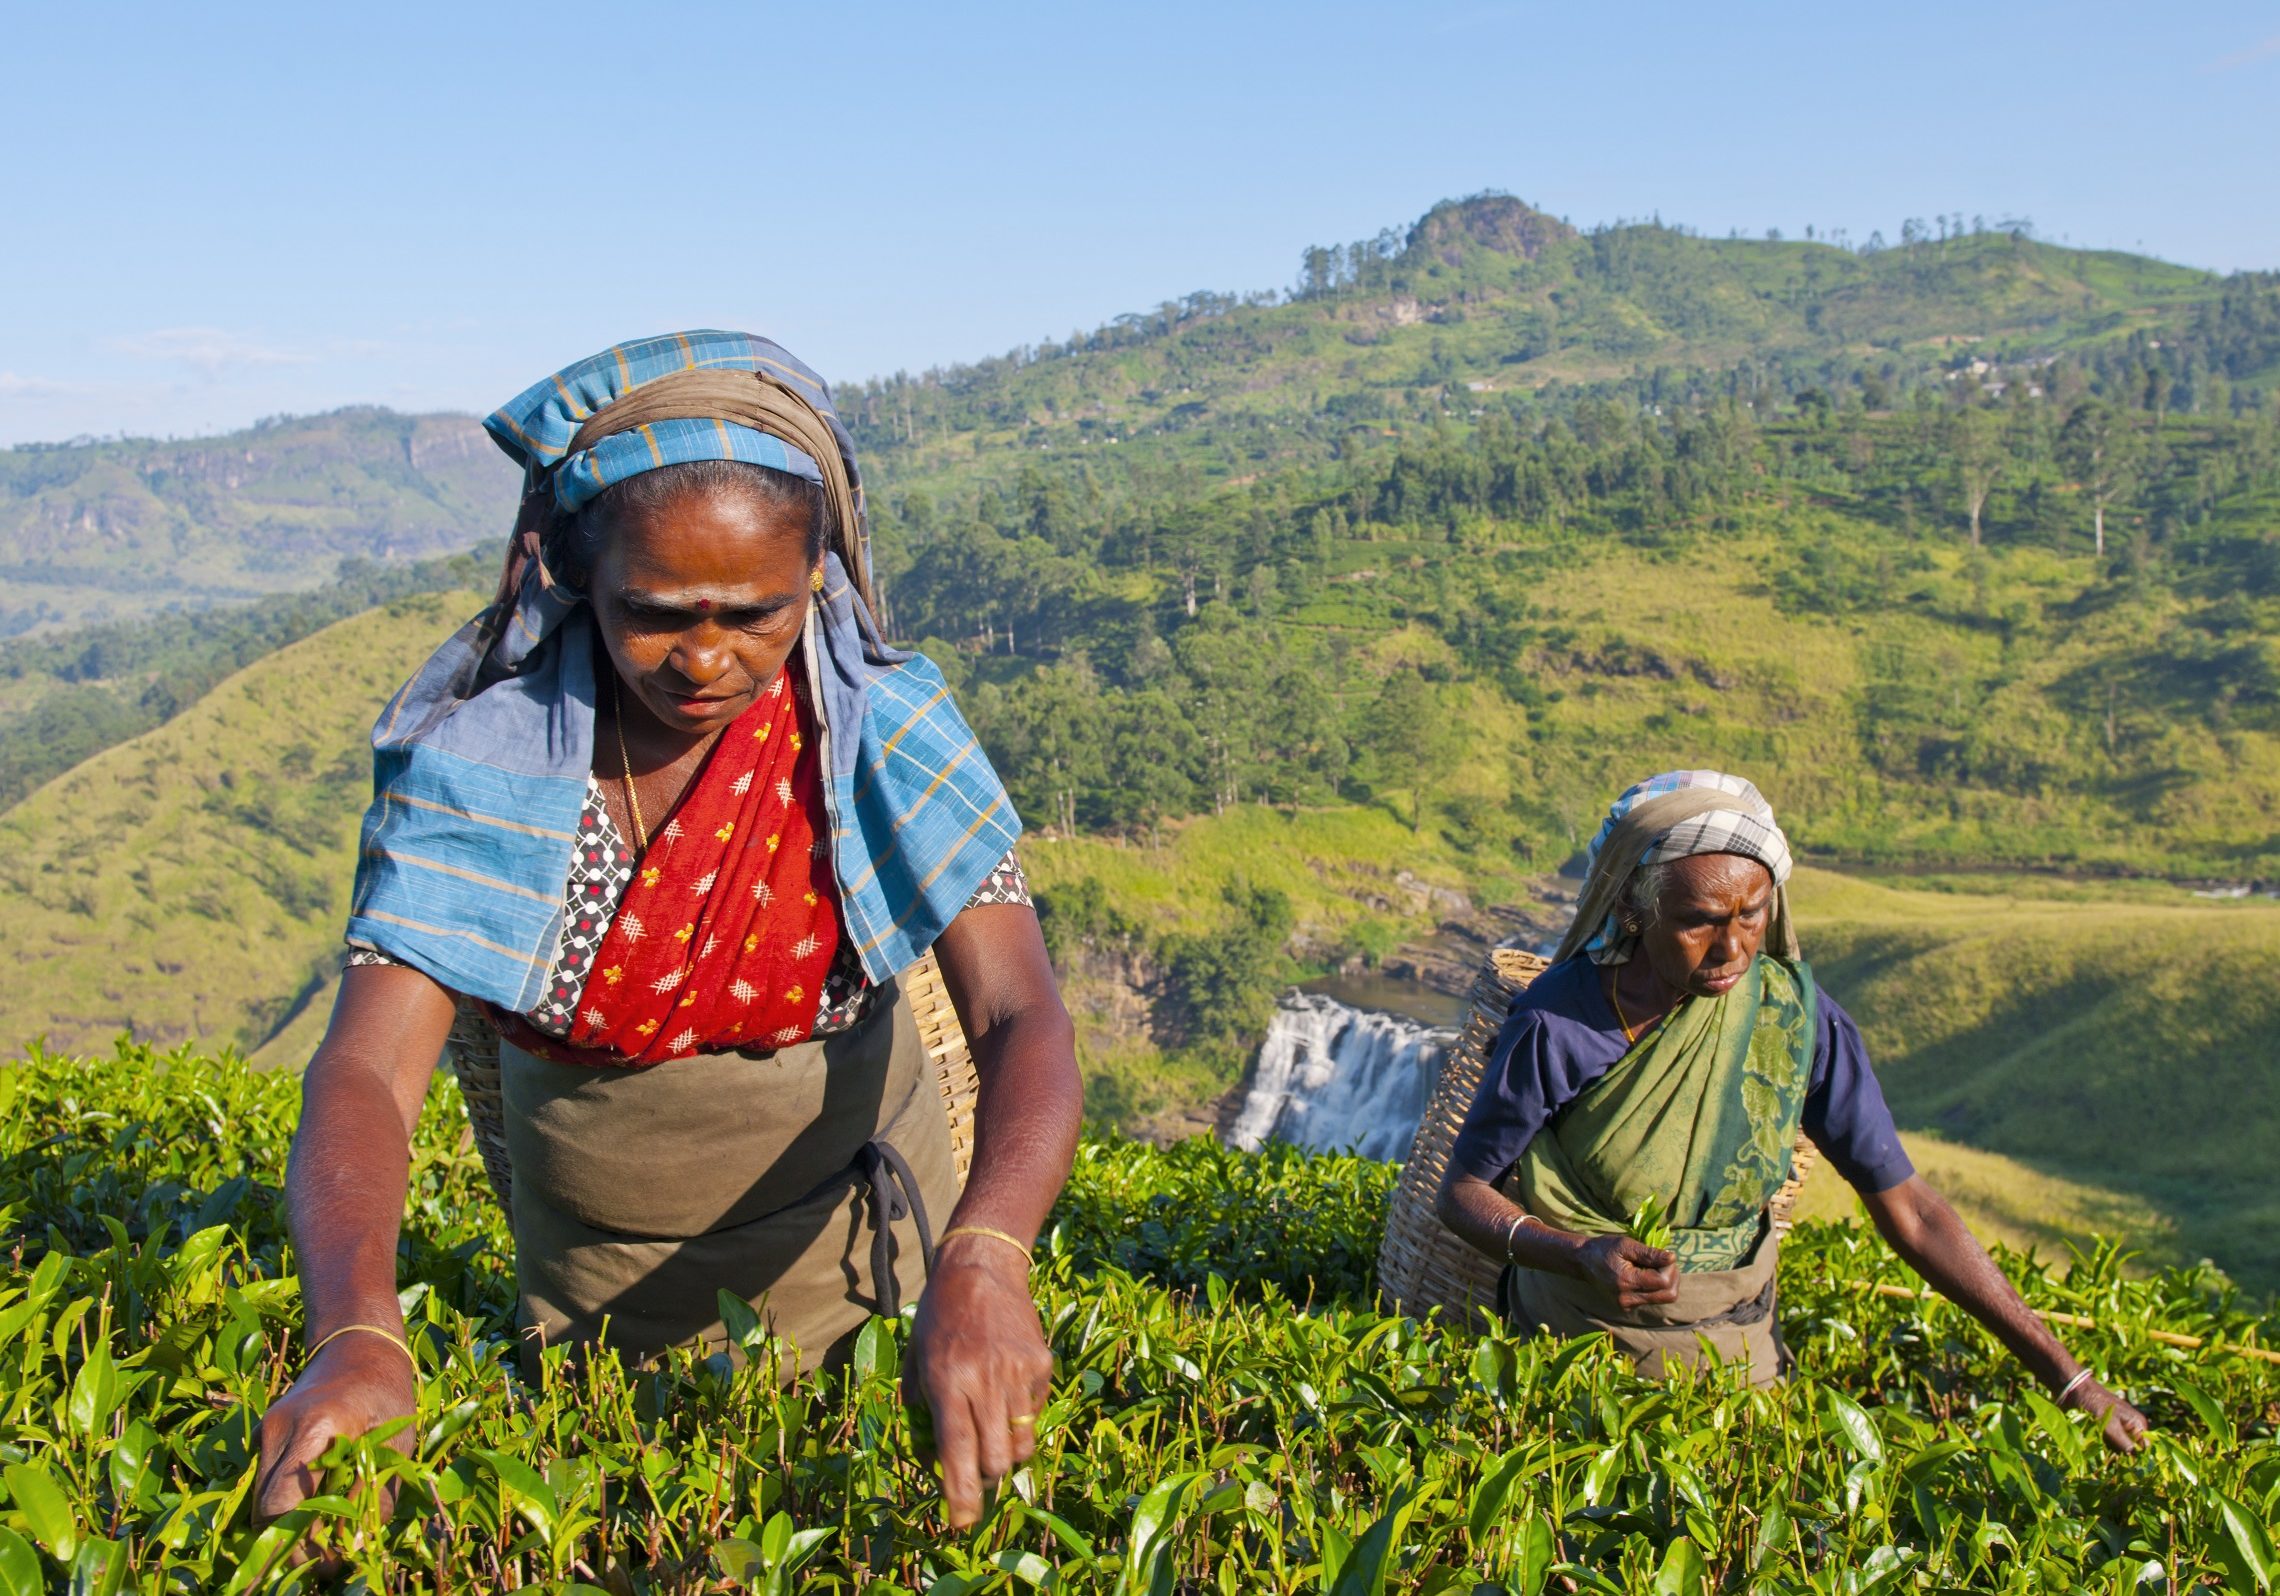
point(538, 427)
point(480, 762)
point(1675, 815)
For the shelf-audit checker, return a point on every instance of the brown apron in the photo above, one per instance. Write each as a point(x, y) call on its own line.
point(807, 1181)
point(1731, 1309)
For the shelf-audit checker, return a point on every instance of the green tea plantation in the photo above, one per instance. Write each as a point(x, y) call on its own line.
point(1232, 1413)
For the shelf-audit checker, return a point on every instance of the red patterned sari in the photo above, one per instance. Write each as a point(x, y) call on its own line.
point(723, 939)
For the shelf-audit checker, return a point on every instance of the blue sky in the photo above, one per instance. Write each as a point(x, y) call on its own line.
point(219, 212)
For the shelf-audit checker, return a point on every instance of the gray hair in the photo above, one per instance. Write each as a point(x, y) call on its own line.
point(1643, 894)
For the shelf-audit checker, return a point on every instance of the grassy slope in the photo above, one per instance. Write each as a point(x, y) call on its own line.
point(2092, 1056)
point(2003, 1199)
point(1651, 664)
point(192, 882)
point(2101, 1038)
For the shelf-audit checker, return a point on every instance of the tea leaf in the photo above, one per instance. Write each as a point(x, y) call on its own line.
point(1857, 1427)
point(2242, 1544)
point(46, 1510)
point(20, 1573)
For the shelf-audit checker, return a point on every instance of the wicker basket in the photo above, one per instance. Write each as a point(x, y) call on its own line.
point(473, 1049)
point(1422, 1264)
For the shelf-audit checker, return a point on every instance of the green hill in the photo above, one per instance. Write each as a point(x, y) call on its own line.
point(132, 527)
point(1480, 305)
point(2116, 1040)
point(1970, 544)
point(192, 882)
point(1486, 298)
point(70, 692)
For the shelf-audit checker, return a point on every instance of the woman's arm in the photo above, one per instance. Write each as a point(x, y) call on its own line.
point(1634, 1273)
point(978, 1353)
point(1925, 1231)
point(344, 1196)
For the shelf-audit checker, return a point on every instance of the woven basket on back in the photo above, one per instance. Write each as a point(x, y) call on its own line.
point(1422, 1264)
point(474, 1053)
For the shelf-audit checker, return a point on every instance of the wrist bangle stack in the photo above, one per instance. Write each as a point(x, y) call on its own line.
point(1012, 1241)
point(2072, 1386)
point(389, 1336)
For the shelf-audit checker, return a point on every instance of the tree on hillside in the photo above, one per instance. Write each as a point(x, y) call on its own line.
point(2100, 451)
point(1222, 983)
point(1410, 740)
point(2157, 395)
point(1972, 444)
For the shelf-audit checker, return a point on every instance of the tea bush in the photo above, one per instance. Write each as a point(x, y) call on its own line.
point(1231, 1414)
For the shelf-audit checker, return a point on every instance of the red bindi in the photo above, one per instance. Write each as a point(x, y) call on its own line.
point(704, 606)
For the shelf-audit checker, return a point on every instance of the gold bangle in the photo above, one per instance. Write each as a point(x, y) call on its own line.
point(1014, 1242)
point(389, 1336)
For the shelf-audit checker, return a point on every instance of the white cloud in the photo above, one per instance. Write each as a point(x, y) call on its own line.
point(15, 385)
point(209, 351)
point(2261, 50)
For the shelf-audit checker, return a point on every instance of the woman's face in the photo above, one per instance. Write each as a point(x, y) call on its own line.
point(1709, 924)
point(699, 601)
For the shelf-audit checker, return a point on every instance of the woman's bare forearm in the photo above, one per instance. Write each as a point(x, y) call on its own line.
point(1927, 1233)
point(1031, 1101)
point(1026, 1119)
point(1492, 1223)
point(344, 1193)
point(346, 1181)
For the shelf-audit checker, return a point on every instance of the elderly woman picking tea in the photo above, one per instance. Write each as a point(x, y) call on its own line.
point(1664, 1064)
point(676, 815)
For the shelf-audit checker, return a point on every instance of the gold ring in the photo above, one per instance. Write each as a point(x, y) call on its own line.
point(1023, 1418)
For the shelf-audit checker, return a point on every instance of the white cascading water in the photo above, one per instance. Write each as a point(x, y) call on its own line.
point(1337, 1078)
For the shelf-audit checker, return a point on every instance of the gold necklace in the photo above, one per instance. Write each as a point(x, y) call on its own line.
point(625, 765)
point(1615, 996)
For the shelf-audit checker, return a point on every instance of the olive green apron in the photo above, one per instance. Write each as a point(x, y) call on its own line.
point(807, 1181)
point(1730, 1309)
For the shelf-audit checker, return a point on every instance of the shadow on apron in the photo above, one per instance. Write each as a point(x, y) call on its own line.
point(803, 1181)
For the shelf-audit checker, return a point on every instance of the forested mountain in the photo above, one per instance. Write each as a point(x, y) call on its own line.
point(1486, 297)
point(131, 527)
point(1970, 541)
point(1504, 506)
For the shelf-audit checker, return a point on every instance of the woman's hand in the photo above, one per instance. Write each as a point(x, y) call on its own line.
point(354, 1384)
point(1925, 1231)
point(2123, 1426)
point(1633, 1273)
point(978, 1362)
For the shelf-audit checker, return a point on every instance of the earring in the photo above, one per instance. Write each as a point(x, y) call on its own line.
point(815, 579)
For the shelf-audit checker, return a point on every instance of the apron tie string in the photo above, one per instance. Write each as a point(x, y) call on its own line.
point(894, 1197)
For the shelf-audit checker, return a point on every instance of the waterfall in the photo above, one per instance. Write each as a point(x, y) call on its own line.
point(1339, 1078)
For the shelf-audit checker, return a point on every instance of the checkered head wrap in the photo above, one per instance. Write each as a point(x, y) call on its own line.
point(1675, 815)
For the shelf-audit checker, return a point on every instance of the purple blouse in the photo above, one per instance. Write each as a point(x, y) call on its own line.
point(1561, 1034)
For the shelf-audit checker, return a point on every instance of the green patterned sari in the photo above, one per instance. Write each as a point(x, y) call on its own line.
point(1702, 1112)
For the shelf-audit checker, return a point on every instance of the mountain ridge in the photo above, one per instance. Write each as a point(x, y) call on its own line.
point(1482, 296)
